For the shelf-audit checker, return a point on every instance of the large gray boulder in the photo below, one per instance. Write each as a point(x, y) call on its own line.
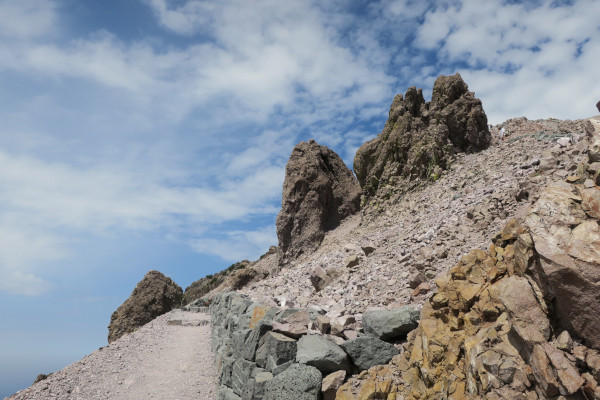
point(275, 352)
point(154, 295)
point(367, 351)
point(226, 393)
point(419, 137)
point(389, 324)
point(298, 382)
point(319, 191)
point(321, 353)
point(251, 344)
point(241, 373)
point(255, 386)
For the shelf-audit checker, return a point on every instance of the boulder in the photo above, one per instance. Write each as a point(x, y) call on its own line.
point(226, 393)
point(319, 278)
point(255, 386)
point(276, 352)
point(331, 383)
point(240, 374)
point(154, 295)
point(321, 353)
point(598, 105)
point(419, 137)
point(389, 324)
point(294, 325)
point(368, 351)
point(251, 343)
point(319, 191)
point(298, 382)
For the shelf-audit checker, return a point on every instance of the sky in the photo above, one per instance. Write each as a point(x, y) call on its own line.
point(153, 134)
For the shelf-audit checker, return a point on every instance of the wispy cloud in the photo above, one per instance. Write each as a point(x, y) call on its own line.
point(523, 58)
point(27, 19)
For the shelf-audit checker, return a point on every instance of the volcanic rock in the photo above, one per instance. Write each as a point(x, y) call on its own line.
point(389, 324)
point(568, 243)
point(319, 191)
point(368, 351)
point(154, 295)
point(299, 382)
point(321, 353)
point(419, 137)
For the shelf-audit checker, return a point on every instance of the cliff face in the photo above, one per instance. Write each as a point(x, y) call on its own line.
point(420, 137)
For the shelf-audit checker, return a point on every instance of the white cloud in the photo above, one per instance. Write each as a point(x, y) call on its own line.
point(237, 245)
point(25, 19)
point(522, 59)
point(186, 19)
point(17, 282)
point(46, 206)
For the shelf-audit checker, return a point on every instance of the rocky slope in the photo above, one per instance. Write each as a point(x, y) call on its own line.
point(413, 237)
point(518, 321)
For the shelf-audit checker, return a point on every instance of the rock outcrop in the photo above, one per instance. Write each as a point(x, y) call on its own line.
point(487, 333)
point(154, 295)
point(319, 191)
point(519, 321)
point(420, 137)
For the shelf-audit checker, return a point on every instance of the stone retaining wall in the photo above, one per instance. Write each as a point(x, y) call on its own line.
point(290, 353)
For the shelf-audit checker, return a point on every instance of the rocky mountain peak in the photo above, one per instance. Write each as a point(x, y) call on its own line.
point(319, 191)
point(420, 137)
point(154, 295)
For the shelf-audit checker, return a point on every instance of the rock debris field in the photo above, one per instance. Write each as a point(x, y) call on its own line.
point(168, 359)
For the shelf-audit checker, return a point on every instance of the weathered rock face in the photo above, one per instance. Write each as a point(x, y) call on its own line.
point(153, 296)
point(501, 322)
point(299, 382)
point(318, 192)
point(519, 321)
point(419, 137)
point(485, 333)
point(564, 226)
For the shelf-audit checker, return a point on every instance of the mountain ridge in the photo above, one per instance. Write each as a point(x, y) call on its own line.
point(390, 253)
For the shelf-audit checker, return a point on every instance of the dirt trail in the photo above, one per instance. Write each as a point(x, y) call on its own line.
point(168, 359)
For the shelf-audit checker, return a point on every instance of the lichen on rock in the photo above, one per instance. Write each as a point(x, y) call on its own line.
point(419, 137)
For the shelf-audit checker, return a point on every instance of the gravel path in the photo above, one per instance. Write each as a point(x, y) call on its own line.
point(168, 359)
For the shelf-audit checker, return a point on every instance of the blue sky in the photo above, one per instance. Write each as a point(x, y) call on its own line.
point(153, 134)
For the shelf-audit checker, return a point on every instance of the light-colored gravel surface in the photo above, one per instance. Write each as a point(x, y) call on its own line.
point(161, 360)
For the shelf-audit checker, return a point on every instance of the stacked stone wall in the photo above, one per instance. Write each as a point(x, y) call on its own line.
point(273, 353)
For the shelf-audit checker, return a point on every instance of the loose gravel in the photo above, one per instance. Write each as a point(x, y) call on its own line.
point(169, 359)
